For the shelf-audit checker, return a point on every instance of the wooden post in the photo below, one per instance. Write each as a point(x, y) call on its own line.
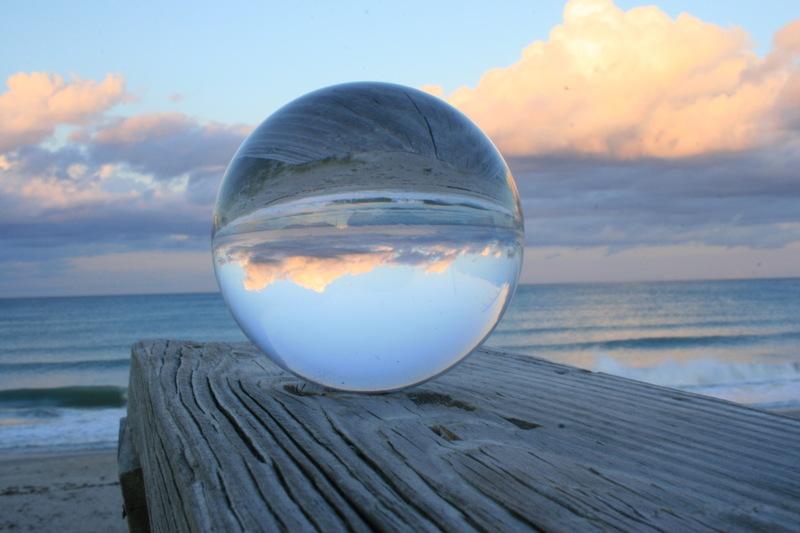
point(131, 481)
point(229, 442)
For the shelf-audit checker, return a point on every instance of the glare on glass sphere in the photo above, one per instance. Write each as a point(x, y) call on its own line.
point(367, 237)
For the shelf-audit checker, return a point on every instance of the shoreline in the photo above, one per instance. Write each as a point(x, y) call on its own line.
point(56, 491)
point(20, 454)
point(76, 489)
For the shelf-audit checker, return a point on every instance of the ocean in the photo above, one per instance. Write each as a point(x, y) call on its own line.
point(64, 361)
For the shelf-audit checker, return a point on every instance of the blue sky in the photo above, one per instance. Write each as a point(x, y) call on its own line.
point(646, 143)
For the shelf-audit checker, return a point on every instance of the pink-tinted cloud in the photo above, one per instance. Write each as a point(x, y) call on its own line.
point(313, 273)
point(786, 48)
point(35, 103)
point(140, 128)
point(636, 84)
point(125, 182)
point(41, 194)
point(316, 273)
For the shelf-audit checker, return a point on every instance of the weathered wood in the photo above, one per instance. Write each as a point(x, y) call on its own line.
point(131, 481)
point(504, 442)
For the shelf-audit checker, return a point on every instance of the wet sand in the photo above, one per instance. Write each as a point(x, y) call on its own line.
point(76, 491)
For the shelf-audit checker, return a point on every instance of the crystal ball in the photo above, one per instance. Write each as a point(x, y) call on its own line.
point(367, 237)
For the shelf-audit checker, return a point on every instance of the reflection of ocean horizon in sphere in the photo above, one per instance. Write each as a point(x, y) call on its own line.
point(367, 237)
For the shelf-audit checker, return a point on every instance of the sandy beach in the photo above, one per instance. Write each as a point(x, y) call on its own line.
point(77, 491)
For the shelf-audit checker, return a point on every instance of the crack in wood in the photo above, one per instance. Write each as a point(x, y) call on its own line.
point(445, 433)
point(243, 436)
point(267, 501)
point(287, 488)
point(230, 505)
point(523, 424)
point(482, 476)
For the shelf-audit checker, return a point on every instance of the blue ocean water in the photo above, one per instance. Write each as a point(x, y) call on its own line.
point(736, 340)
point(64, 362)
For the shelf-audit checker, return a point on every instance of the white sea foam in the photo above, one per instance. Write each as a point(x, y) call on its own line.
point(764, 385)
point(69, 428)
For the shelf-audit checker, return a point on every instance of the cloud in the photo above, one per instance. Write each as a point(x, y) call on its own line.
point(636, 84)
point(633, 135)
point(35, 103)
point(125, 183)
point(80, 199)
point(203, 184)
point(435, 90)
point(164, 145)
point(747, 199)
point(313, 273)
point(786, 48)
point(315, 257)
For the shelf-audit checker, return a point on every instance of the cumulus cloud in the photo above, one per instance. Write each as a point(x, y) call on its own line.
point(116, 184)
point(316, 273)
point(635, 84)
point(36, 102)
point(313, 273)
point(786, 48)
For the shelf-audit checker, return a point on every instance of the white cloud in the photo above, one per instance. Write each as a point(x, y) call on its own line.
point(36, 103)
point(635, 84)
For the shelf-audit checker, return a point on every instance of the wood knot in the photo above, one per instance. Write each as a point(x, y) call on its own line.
point(435, 398)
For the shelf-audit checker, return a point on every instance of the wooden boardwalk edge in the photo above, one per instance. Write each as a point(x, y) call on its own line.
point(131, 481)
point(504, 442)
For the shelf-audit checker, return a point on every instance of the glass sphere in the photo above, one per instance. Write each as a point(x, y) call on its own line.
point(367, 236)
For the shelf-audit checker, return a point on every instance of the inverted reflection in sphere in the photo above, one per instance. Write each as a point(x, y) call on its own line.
point(367, 236)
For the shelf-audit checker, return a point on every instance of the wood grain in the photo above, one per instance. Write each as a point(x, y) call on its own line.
point(504, 442)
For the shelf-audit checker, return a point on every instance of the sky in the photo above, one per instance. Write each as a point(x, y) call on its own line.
point(648, 142)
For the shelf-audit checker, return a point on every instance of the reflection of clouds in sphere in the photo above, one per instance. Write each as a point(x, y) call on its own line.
point(367, 237)
point(314, 259)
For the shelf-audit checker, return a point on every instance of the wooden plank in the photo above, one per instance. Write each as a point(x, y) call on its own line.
point(131, 481)
point(504, 442)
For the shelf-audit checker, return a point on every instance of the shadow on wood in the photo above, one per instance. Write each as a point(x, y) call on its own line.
point(229, 442)
point(131, 482)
